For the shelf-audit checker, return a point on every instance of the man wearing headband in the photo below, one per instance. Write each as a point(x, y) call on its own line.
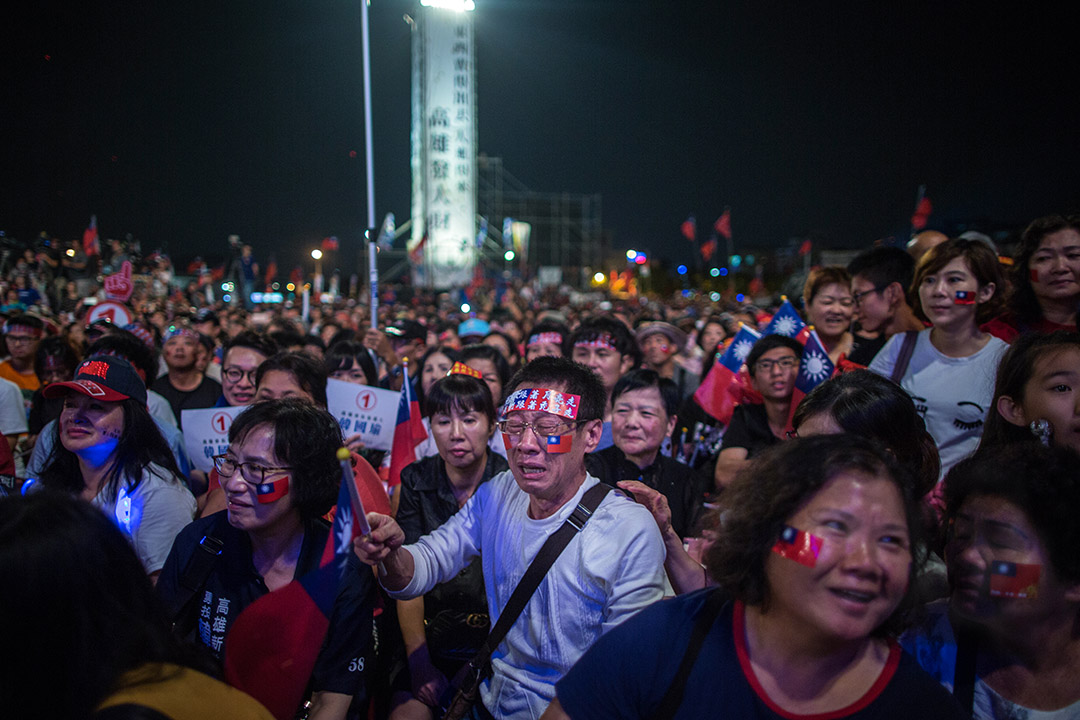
point(184, 385)
point(612, 569)
point(547, 338)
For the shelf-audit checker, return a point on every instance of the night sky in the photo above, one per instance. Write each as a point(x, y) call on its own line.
point(185, 122)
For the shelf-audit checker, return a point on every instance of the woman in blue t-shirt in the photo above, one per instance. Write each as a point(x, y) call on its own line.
point(818, 545)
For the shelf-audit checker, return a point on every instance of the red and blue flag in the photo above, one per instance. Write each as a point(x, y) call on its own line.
point(798, 545)
point(712, 395)
point(272, 645)
point(965, 297)
point(559, 443)
point(272, 491)
point(815, 367)
point(786, 321)
point(1014, 580)
point(408, 432)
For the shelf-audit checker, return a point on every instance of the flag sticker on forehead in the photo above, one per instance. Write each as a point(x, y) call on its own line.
point(798, 545)
point(545, 400)
point(1014, 580)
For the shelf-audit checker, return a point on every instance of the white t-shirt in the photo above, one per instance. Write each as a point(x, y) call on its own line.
point(613, 569)
point(953, 395)
point(12, 409)
point(151, 515)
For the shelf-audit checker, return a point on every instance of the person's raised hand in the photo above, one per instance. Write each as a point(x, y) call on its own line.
point(385, 537)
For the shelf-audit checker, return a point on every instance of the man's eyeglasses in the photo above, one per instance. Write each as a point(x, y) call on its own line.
point(783, 363)
point(234, 374)
point(251, 473)
point(857, 297)
point(20, 339)
point(516, 428)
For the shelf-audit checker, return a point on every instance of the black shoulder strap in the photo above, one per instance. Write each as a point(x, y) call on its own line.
point(543, 561)
point(967, 649)
point(673, 698)
point(904, 358)
point(192, 579)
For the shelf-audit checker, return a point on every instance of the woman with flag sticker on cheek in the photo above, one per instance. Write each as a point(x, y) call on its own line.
point(958, 285)
point(818, 543)
point(1006, 642)
point(280, 476)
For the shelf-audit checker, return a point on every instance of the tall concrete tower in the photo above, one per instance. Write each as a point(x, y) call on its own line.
point(443, 142)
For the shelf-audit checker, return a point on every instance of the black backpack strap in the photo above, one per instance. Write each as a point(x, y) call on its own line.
point(193, 579)
point(673, 698)
point(967, 649)
point(904, 358)
point(543, 561)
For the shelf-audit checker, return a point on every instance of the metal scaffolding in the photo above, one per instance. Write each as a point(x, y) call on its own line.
point(566, 227)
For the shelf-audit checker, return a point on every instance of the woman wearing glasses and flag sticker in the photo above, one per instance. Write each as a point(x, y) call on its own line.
point(280, 476)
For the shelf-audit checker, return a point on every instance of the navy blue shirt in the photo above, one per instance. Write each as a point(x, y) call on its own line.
point(234, 584)
point(628, 671)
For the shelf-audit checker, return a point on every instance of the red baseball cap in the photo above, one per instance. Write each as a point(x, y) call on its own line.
point(105, 377)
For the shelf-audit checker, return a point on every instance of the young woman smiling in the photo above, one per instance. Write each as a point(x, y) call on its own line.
point(950, 374)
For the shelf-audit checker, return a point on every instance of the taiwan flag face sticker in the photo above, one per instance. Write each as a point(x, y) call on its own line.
point(1014, 580)
point(798, 545)
point(559, 443)
point(272, 491)
point(965, 297)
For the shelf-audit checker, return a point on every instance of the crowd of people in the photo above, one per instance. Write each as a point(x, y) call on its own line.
point(577, 529)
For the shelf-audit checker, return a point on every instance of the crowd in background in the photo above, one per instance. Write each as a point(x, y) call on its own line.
point(938, 510)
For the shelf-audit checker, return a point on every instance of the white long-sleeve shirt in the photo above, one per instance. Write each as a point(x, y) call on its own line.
point(608, 572)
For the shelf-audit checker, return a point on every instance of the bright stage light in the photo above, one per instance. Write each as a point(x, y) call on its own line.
point(459, 5)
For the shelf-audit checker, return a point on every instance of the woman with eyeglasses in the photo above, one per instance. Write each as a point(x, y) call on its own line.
point(280, 476)
point(829, 308)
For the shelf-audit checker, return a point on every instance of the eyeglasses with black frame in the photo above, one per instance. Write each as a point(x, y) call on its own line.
point(515, 427)
point(857, 297)
point(227, 466)
point(784, 363)
point(233, 374)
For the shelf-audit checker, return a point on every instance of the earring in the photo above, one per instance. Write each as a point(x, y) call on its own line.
point(1042, 429)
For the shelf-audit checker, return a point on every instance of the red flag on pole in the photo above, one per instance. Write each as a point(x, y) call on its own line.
point(922, 213)
point(708, 248)
point(723, 224)
point(689, 228)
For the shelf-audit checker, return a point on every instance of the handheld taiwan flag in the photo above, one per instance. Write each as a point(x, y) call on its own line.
point(786, 321)
point(712, 395)
point(798, 545)
point(689, 228)
point(965, 297)
point(271, 647)
point(815, 367)
point(408, 433)
point(1014, 580)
